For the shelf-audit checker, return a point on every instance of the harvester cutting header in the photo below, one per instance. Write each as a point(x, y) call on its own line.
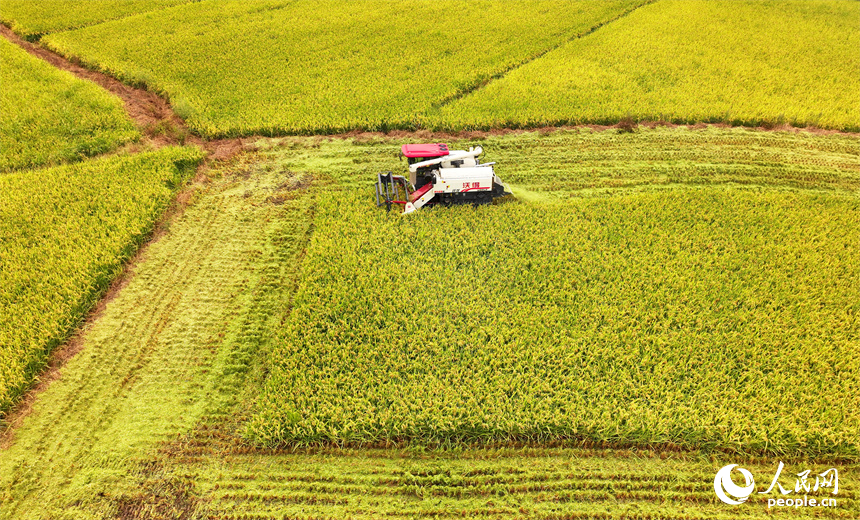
point(439, 176)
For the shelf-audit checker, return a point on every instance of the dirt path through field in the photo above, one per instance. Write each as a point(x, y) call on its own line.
point(152, 113)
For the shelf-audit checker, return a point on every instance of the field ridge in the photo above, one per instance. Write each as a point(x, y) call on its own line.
point(152, 113)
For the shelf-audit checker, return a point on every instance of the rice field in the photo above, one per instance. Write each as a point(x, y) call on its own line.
point(650, 287)
point(276, 67)
point(705, 318)
point(50, 117)
point(206, 308)
point(271, 68)
point(178, 344)
point(754, 63)
point(32, 19)
point(655, 303)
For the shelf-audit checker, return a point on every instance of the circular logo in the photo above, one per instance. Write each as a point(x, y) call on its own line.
point(725, 488)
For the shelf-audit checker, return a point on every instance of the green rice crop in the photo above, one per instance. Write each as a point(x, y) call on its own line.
point(64, 235)
point(49, 116)
point(276, 67)
point(31, 19)
point(712, 317)
point(739, 62)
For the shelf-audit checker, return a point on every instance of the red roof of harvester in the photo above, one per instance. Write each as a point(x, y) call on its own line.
point(425, 150)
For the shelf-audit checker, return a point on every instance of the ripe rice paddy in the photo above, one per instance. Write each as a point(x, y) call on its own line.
point(34, 19)
point(686, 61)
point(655, 305)
point(268, 67)
point(122, 446)
point(50, 117)
point(237, 68)
point(704, 314)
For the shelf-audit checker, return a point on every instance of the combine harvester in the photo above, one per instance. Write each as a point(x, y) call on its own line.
point(440, 176)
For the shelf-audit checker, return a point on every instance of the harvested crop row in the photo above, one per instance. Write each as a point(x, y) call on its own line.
point(708, 318)
point(64, 235)
point(581, 161)
point(48, 116)
point(277, 67)
point(233, 482)
point(177, 343)
point(575, 161)
point(749, 63)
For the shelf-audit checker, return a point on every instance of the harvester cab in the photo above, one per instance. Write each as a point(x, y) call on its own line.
point(438, 175)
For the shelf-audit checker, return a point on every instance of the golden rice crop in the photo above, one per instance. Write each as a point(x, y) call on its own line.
point(708, 317)
point(49, 116)
point(739, 62)
point(277, 67)
point(33, 19)
point(64, 235)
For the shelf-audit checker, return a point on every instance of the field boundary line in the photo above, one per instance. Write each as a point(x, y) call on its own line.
point(481, 84)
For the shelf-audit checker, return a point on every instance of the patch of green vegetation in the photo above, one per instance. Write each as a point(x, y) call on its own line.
point(31, 19)
point(65, 233)
point(48, 116)
point(299, 67)
point(684, 61)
